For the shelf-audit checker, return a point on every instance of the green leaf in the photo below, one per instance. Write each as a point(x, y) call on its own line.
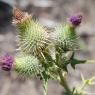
point(74, 62)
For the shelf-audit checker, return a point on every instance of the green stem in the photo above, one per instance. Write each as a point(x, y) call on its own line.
point(63, 82)
point(45, 84)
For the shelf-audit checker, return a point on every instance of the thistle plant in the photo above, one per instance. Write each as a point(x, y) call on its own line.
point(35, 57)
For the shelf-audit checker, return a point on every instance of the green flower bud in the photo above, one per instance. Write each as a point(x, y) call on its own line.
point(33, 37)
point(27, 65)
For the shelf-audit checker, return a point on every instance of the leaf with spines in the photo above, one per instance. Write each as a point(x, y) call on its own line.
point(27, 65)
point(75, 62)
point(33, 37)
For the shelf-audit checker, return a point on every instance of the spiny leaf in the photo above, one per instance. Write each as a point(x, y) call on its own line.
point(88, 81)
point(61, 61)
point(74, 62)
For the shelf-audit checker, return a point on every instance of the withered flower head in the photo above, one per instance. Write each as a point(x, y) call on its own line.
point(19, 15)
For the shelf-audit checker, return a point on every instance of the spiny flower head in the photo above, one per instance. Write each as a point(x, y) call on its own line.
point(6, 62)
point(33, 37)
point(75, 20)
point(27, 65)
point(66, 34)
point(66, 37)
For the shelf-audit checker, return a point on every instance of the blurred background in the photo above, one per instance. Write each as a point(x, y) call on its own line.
point(50, 13)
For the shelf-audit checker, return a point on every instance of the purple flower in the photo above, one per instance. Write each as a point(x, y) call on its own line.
point(6, 62)
point(75, 20)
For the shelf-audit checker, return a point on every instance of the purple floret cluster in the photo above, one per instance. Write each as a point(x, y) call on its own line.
point(6, 62)
point(75, 20)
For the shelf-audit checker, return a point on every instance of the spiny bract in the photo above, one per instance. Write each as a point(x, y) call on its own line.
point(66, 37)
point(33, 37)
point(27, 65)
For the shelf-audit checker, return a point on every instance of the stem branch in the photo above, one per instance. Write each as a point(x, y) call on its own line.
point(63, 82)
